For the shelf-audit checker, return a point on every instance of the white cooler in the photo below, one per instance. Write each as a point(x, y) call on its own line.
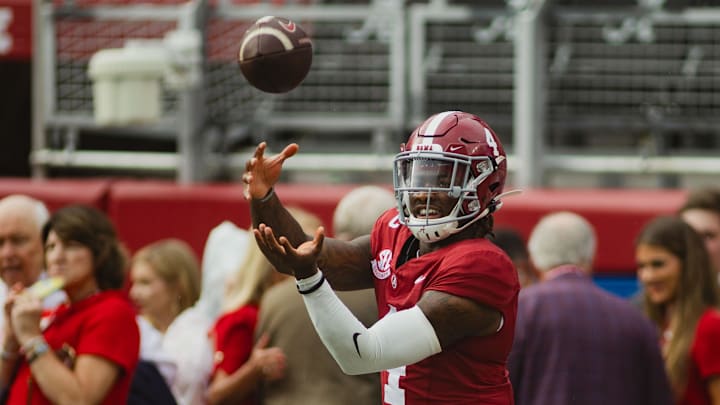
point(127, 85)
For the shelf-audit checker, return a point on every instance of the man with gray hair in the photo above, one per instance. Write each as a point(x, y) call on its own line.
point(574, 342)
point(358, 210)
point(21, 246)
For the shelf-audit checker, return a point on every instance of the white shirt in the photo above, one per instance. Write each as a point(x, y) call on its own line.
point(183, 354)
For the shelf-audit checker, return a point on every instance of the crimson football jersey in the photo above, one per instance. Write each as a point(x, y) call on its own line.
point(473, 370)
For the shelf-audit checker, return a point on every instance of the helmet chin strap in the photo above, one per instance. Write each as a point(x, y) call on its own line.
point(446, 227)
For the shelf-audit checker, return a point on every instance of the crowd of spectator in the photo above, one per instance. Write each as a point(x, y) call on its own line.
point(120, 319)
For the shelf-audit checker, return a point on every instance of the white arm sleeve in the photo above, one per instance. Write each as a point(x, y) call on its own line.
point(398, 339)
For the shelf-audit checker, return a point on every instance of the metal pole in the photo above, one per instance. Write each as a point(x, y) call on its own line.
point(529, 98)
point(190, 145)
point(38, 86)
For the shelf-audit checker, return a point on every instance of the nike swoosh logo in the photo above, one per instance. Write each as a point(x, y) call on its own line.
point(454, 148)
point(289, 26)
point(355, 338)
point(420, 279)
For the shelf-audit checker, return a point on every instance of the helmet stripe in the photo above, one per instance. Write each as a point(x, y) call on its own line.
point(433, 124)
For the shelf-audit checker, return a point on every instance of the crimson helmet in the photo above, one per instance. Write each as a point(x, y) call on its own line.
point(455, 153)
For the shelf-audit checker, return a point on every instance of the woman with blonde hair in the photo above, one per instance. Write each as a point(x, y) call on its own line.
point(165, 283)
point(682, 298)
point(240, 364)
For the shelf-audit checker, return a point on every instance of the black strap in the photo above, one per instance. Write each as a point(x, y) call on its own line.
point(313, 288)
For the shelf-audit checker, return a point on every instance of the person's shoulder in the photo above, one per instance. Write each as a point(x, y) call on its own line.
point(477, 263)
point(244, 313)
point(116, 303)
point(710, 320)
point(569, 286)
point(712, 314)
point(279, 294)
point(193, 317)
point(479, 251)
point(544, 291)
point(390, 219)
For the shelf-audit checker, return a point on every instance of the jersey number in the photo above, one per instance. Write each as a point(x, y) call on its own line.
point(491, 143)
point(394, 395)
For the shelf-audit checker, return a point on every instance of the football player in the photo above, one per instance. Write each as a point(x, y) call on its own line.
point(447, 296)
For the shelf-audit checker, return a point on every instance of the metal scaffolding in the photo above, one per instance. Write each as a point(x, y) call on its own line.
point(628, 87)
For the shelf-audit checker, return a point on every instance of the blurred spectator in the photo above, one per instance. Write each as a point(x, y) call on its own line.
point(165, 282)
point(512, 242)
point(87, 350)
point(285, 320)
point(241, 364)
point(223, 255)
point(21, 249)
point(681, 297)
point(702, 212)
point(356, 213)
point(574, 342)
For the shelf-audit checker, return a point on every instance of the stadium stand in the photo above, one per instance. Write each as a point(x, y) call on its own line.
point(623, 91)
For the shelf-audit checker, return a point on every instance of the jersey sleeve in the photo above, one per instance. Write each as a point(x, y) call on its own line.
point(484, 276)
point(111, 332)
point(706, 352)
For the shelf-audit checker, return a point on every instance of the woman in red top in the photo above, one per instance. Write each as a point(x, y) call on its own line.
point(238, 366)
point(682, 298)
point(86, 351)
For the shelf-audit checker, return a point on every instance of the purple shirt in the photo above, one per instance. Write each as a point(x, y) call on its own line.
point(578, 344)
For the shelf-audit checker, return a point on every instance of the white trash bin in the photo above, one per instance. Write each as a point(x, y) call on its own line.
point(127, 85)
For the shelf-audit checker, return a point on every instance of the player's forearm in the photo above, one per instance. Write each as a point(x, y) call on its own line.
point(347, 265)
point(270, 211)
point(398, 339)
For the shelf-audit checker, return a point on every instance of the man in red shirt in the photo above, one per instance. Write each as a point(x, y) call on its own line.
point(447, 296)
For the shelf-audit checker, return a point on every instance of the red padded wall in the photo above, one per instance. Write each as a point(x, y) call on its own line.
point(145, 211)
point(617, 215)
point(58, 193)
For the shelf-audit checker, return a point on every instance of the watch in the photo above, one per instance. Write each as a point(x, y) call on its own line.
point(36, 348)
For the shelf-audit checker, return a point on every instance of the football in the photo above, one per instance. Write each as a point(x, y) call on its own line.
point(275, 54)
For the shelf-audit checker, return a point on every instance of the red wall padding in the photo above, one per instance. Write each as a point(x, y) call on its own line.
point(58, 193)
point(145, 211)
point(617, 215)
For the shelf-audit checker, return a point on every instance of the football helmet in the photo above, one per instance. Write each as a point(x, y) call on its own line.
point(454, 153)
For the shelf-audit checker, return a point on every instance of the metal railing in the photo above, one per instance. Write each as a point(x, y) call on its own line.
point(626, 88)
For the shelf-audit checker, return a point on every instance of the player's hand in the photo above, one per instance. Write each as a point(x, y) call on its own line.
point(262, 173)
point(300, 262)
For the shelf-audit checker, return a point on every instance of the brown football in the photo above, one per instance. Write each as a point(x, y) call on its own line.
point(275, 54)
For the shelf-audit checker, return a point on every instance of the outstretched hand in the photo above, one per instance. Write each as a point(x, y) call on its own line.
point(262, 173)
point(300, 262)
